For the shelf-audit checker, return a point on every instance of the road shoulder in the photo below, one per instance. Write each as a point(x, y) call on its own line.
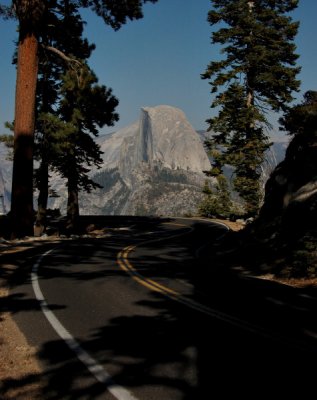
point(18, 359)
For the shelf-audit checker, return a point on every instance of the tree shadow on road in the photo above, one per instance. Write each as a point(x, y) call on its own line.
point(248, 346)
point(170, 352)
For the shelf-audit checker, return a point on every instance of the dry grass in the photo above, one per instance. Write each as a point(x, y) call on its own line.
point(17, 360)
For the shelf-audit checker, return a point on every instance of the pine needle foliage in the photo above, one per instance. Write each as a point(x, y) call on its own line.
point(216, 202)
point(71, 108)
point(257, 74)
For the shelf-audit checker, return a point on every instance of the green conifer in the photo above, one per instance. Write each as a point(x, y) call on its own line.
point(257, 74)
point(71, 107)
point(85, 106)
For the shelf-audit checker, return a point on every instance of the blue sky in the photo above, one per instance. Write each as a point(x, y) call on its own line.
point(159, 59)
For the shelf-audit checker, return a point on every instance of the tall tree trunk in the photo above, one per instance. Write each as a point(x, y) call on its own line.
point(43, 171)
point(30, 15)
point(22, 179)
point(40, 222)
point(72, 206)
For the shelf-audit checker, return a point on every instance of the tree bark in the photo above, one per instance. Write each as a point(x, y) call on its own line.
point(72, 207)
point(22, 179)
point(40, 223)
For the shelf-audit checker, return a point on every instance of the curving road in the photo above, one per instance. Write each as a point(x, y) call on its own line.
point(139, 315)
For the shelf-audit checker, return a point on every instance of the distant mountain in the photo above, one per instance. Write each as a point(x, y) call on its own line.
point(152, 167)
point(274, 155)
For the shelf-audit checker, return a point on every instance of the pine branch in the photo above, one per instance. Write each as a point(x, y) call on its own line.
point(62, 55)
point(73, 63)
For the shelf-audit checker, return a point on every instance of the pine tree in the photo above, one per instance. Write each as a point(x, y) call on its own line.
point(300, 121)
point(85, 106)
point(63, 31)
point(31, 15)
point(258, 74)
point(71, 107)
point(217, 202)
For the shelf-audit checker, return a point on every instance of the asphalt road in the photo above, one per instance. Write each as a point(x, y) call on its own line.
point(138, 315)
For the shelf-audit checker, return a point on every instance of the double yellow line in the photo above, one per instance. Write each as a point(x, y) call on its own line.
point(125, 264)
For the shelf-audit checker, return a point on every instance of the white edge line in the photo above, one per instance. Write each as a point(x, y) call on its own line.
point(91, 364)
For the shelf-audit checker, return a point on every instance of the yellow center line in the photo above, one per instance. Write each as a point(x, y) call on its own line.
point(125, 265)
point(174, 224)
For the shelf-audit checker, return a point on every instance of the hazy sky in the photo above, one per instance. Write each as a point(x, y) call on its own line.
point(159, 59)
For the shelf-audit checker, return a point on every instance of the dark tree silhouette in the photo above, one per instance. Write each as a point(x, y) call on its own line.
point(31, 15)
point(257, 74)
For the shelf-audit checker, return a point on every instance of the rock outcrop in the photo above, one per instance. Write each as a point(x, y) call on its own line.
point(166, 137)
point(286, 227)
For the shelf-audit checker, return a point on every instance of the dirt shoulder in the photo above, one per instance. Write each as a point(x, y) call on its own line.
point(18, 362)
point(20, 371)
point(234, 226)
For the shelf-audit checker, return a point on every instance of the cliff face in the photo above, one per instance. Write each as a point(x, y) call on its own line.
point(166, 137)
point(161, 136)
point(152, 167)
